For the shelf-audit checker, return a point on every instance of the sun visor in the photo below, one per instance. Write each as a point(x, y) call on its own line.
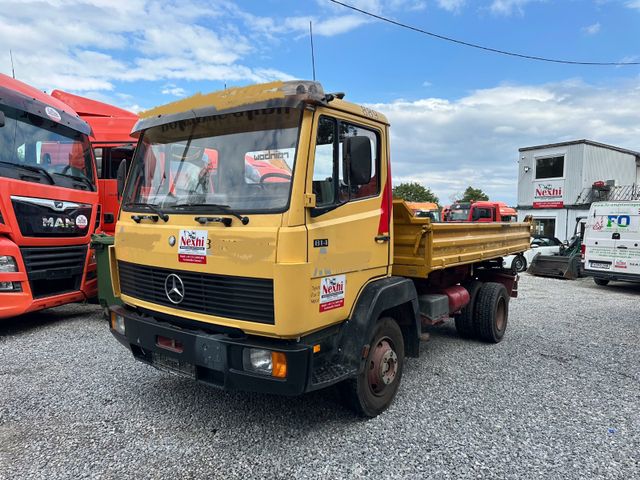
point(21, 102)
point(228, 102)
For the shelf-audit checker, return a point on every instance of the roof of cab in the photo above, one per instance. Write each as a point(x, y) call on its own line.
point(108, 122)
point(266, 95)
point(19, 95)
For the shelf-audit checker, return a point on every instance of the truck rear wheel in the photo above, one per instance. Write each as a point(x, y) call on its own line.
point(603, 282)
point(373, 390)
point(492, 312)
point(465, 325)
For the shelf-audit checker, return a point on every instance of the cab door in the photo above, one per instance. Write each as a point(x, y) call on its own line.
point(348, 229)
point(600, 238)
point(627, 232)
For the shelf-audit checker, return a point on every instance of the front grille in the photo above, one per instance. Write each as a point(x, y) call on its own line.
point(240, 298)
point(54, 270)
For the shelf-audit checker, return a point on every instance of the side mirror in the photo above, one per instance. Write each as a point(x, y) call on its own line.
point(1, 119)
point(122, 177)
point(356, 161)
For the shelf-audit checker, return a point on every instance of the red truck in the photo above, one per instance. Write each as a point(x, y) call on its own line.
point(48, 202)
point(111, 144)
point(480, 211)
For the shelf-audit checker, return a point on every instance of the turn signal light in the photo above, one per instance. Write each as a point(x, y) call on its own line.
point(279, 362)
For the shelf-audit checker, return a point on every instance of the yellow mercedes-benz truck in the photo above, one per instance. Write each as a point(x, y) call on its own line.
point(258, 248)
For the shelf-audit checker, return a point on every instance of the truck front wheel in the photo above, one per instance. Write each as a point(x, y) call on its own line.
point(492, 312)
point(373, 390)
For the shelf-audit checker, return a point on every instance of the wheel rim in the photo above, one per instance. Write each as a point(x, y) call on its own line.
point(519, 264)
point(501, 315)
point(383, 366)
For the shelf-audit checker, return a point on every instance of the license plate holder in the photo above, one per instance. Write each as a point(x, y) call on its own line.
point(602, 265)
point(173, 365)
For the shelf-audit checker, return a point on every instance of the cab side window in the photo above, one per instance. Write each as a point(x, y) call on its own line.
point(331, 184)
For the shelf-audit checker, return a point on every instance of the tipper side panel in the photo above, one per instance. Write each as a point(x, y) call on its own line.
point(421, 247)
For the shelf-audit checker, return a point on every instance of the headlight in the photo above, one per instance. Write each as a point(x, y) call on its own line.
point(265, 362)
point(8, 264)
point(117, 323)
point(10, 287)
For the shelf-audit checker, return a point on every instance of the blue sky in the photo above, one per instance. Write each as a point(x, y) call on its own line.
point(458, 115)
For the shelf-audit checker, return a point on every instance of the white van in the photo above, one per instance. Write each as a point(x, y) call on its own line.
point(611, 246)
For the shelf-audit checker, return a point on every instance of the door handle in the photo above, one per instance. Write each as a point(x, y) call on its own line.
point(622, 247)
point(382, 238)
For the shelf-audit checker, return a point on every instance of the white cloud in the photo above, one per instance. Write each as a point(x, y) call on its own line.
point(592, 29)
point(509, 7)
point(451, 5)
point(171, 89)
point(474, 140)
point(634, 4)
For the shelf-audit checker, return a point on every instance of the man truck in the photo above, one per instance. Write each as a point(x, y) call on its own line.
point(291, 286)
point(48, 202)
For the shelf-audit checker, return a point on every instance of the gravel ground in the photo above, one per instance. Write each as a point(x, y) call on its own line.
point(558, 398)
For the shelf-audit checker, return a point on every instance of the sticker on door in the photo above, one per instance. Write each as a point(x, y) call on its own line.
point(192, 246)
point(332, 290)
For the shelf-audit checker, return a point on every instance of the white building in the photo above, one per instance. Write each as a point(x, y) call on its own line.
point(558, 182)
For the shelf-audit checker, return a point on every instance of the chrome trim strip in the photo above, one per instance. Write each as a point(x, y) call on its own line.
point(56, 205)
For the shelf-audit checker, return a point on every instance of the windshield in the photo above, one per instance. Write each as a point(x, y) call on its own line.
point(434, 215)
point(243, 161)
point(459, 214)
point(44, 151)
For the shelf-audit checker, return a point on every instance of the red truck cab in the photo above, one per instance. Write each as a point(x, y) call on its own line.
point(111, 144)
point(480, 211)
point(48, 202)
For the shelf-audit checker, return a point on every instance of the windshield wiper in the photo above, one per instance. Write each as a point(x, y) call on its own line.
point(77, 178)
point(151, 206)
point(32, 168)
point(213, 206)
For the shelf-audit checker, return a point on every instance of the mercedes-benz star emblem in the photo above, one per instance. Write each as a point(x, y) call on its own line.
point(174, 288)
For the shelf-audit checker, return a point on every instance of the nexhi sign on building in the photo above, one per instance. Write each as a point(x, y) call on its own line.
point(548, 194)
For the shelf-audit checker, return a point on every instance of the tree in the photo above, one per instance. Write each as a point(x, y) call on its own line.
point(473, 195)
point(414, 192)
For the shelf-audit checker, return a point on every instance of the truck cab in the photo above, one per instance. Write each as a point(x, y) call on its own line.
point(112, 144)
point(48, 202)
point(480, 211)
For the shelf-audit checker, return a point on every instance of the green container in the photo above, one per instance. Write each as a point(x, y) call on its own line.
point(100, 242)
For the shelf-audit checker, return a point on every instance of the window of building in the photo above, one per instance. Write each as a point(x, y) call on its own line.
point(329, 183)
point(544, 227)
point(550, 167)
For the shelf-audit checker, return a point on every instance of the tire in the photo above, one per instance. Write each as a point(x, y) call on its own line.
point(492, 312)
point(519, 263)
point(465, 320)
point(368, 394)
point(603, 282)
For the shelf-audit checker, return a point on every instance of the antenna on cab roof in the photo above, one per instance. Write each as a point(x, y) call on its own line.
point(13, 71)
point(313, 60)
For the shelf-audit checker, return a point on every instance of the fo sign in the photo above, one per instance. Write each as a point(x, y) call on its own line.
point(548, 194)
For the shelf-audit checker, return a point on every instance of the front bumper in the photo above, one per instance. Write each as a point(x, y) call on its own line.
point(217, 357)
point(17, 303)
point(612, 276)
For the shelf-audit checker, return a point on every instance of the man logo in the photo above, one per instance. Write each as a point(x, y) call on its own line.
point(174, 288)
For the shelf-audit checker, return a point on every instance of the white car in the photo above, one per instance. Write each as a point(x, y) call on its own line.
point(539, 244)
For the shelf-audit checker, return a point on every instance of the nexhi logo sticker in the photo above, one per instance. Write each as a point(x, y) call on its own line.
point(192, 246)
point(332, 290)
